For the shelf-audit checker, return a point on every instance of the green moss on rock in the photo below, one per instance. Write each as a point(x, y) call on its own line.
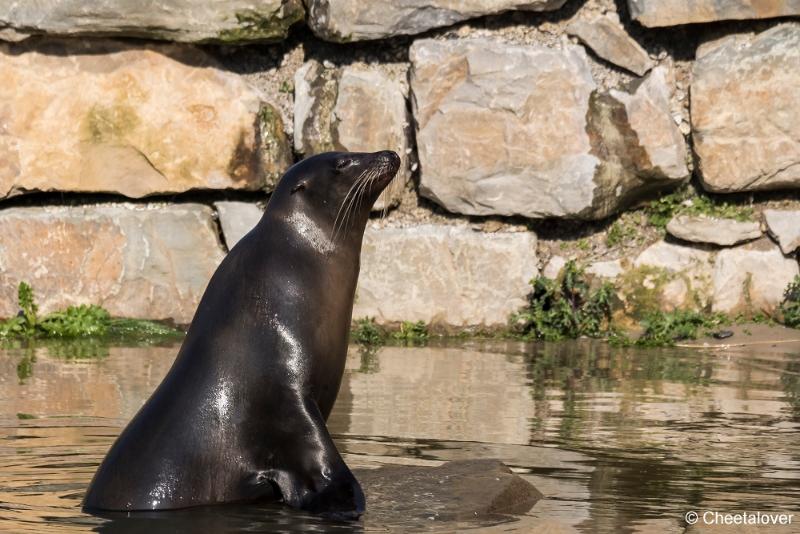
point(253, 25)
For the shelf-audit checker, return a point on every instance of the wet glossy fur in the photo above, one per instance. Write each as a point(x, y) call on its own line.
point(241, 414)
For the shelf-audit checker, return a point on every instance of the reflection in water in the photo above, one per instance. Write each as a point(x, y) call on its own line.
point(617, 440)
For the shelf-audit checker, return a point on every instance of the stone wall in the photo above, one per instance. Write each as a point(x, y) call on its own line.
point(138, 145)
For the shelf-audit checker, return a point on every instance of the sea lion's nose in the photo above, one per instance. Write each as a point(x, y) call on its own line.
point(390, 157)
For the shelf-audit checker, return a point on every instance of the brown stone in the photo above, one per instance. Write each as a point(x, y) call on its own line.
point(357, 20)
point(508, 129)
point(457, 490)
point(450, 275)
point(609, 40)
point(225, 21)
point(353, 109)
point(655, 13)
point(102, 116)
point(746, 111)
point(136, 261)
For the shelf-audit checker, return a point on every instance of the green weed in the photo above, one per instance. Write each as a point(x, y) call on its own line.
point(790, 307)
point(687, 201)
point(75, 322)
point(367, 332)
point(413, 333)
point(666, 328)
point(565, 308)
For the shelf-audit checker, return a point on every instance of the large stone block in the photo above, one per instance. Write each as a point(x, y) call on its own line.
point(354, 109)
point(746, 111)
point(668, 276)
point(102, 116)
point(356, 20)
point(444, 274)
point(511, 129)
point(654, 13)
point(136, 261)
point(225, 21)
point(752, 278)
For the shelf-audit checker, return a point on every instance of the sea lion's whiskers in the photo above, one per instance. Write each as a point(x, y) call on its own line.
point(348, 200)
point(349, 203)
point(344, 201)
point(355, 201)
point(370, 178)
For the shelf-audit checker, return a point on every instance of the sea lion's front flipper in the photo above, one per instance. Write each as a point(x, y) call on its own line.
point(317, 479)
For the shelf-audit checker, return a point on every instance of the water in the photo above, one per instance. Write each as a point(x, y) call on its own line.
point(617, 440)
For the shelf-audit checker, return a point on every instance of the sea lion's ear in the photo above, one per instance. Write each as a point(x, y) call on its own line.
point(298, 187)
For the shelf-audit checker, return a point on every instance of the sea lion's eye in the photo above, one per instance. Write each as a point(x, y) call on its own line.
point(298, 187)
point(342, 164)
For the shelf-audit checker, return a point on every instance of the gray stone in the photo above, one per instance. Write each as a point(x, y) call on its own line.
point(511, 129)
point(654, 13)
point(138, 120)
point(553, 267)
point(752, 278)
point(746, 111)
point(455, 491)
point(355, 20)
point(441, 274)
point(237, 219)
point(608, 270)
point(356, 109)
point(723, 232)
point(609, 40)
point(136, 261)
point(223, 21)
point(681, 277)
point(784, 225)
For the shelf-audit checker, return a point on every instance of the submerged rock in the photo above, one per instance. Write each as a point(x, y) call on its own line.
point(225, 21)
point(457, 490)
point(654, 13)
point(356, 109)
point(746, 111)
point(138, 120)
point(505, 129)
point(784, 225)
point(609, 40)
point(356, 20)
point(449, 275)
point(724, 232)
point(150, 262)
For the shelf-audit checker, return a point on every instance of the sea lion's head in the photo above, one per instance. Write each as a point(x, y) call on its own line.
point(336, 190)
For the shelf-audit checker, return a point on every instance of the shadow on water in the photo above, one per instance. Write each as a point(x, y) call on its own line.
point(616, 439)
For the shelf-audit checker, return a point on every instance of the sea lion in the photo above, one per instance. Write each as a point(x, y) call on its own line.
point(241, 414)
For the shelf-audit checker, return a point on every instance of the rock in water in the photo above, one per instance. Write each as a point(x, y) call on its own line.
point(223, 21)
point(746, 111)
point(458, 490)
